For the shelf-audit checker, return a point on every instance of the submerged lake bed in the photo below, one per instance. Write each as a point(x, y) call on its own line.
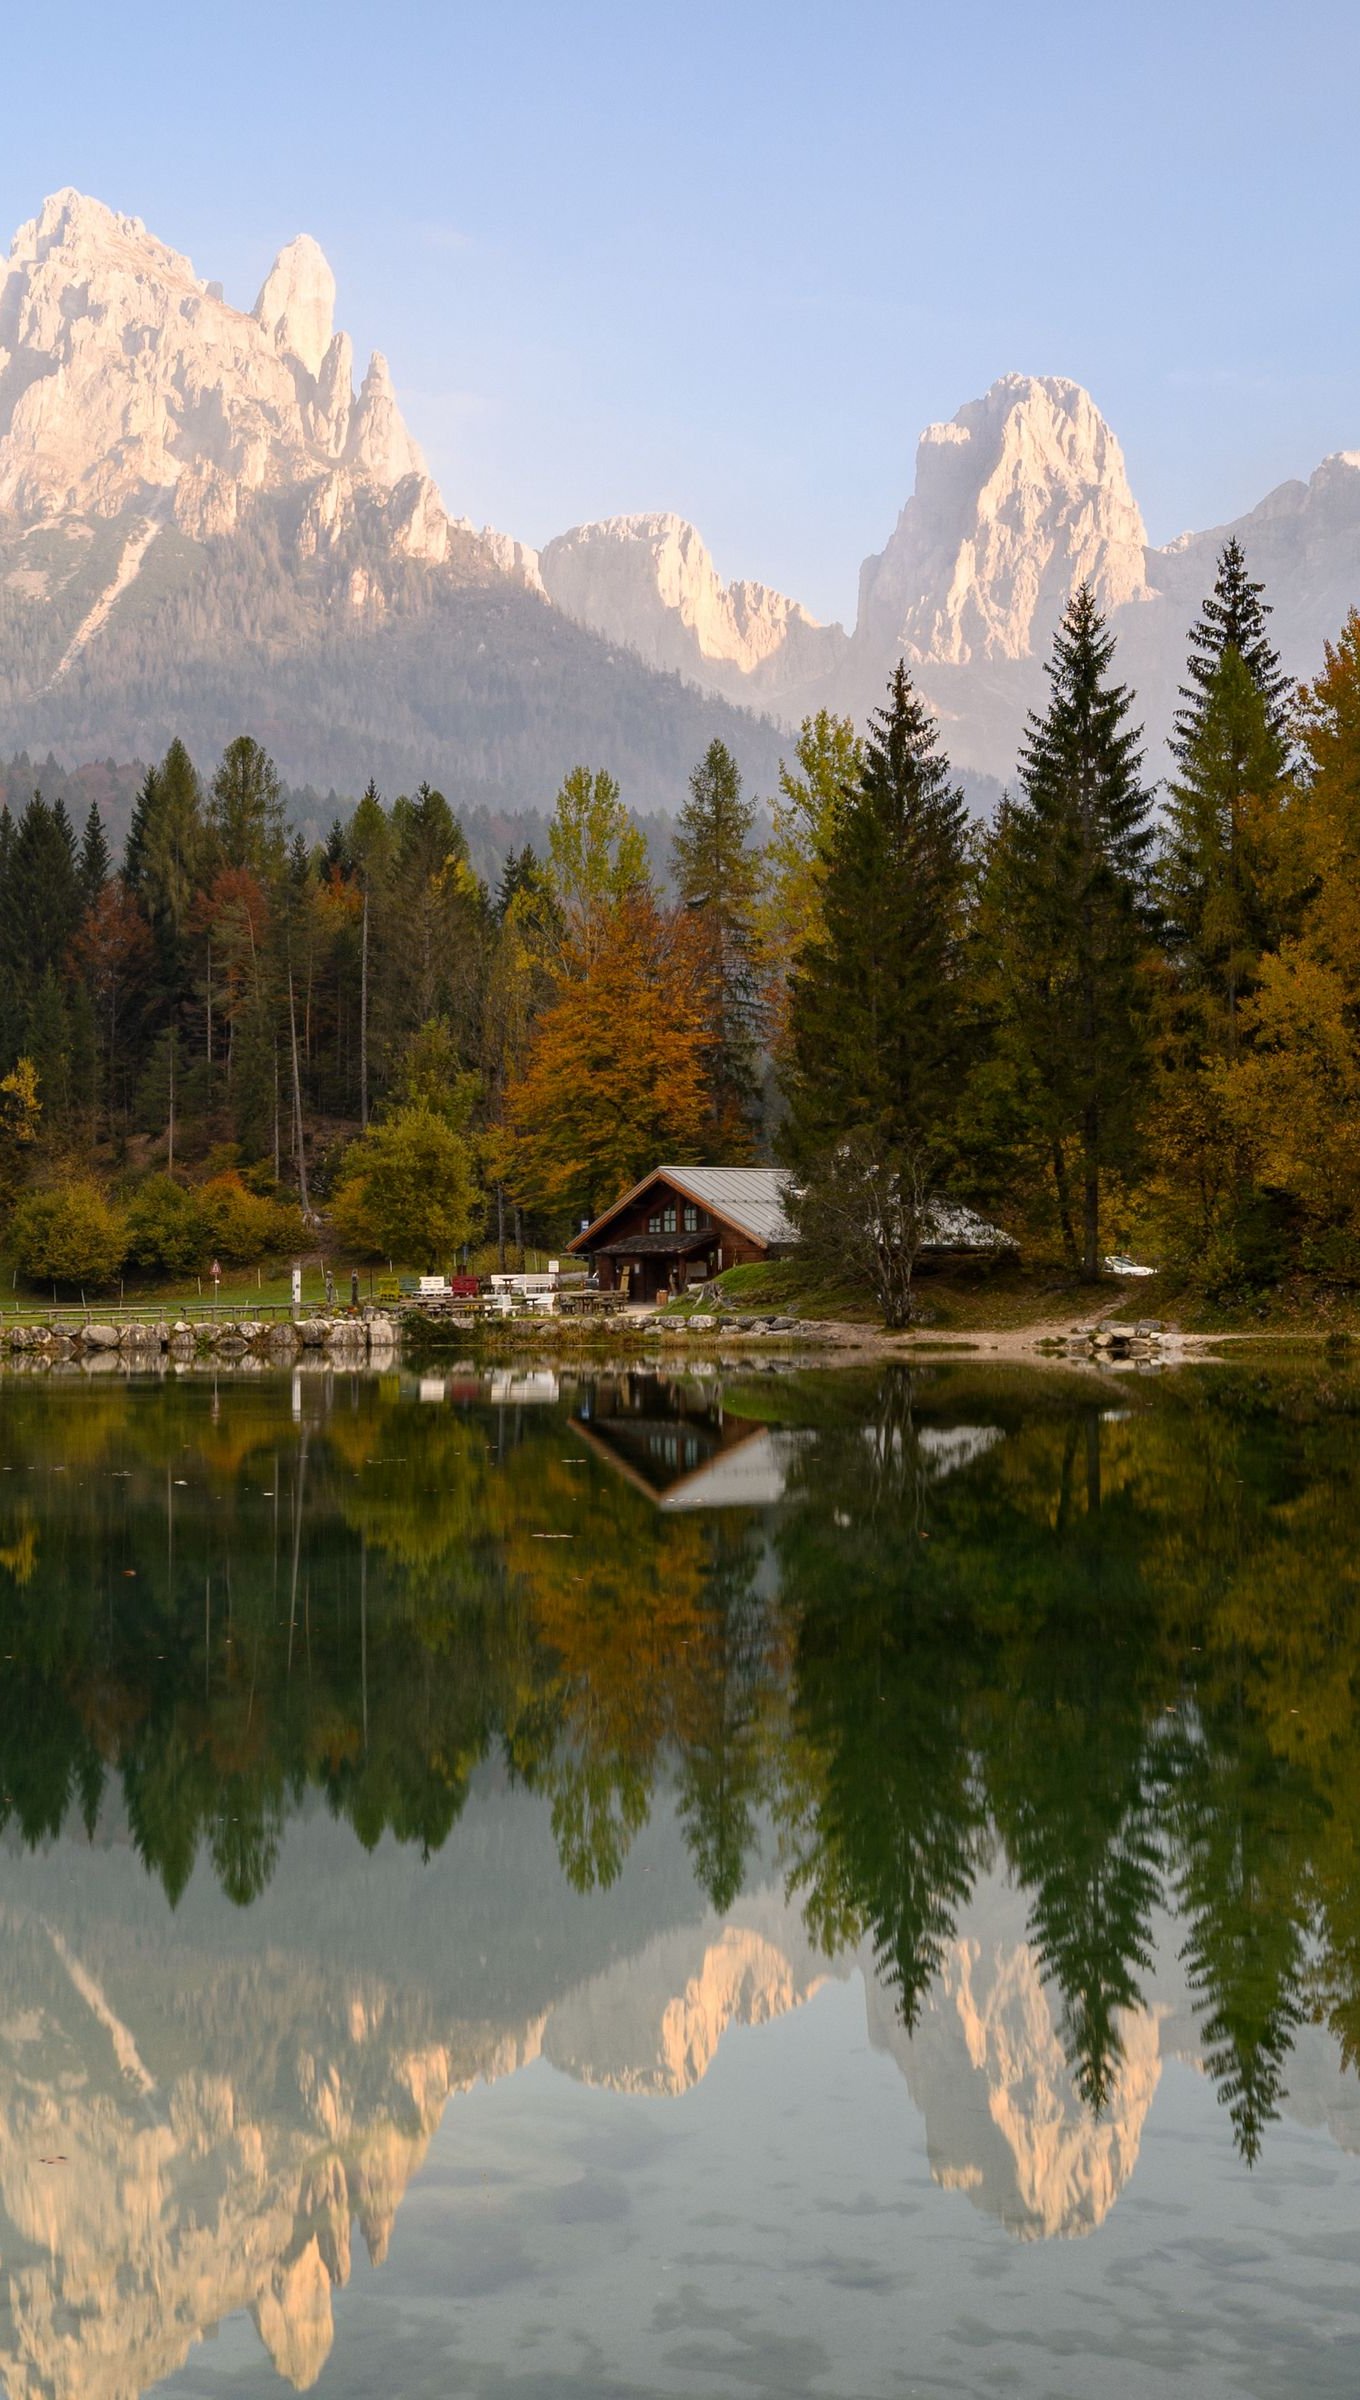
point(832, 1881)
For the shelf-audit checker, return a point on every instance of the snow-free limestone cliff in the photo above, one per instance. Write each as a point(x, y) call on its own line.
point(1019, 498)
point(208, 518)
point(204, 525)
point(650, 581)
point(127, 383)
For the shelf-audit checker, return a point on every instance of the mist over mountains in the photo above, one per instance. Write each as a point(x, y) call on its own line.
point(205, 526)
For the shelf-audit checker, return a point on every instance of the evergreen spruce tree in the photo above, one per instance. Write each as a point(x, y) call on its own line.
point(717, 875)
point(11, 1003)
point(521, 873)
point(83, 1073)
point(1217, 882)
point(66, 831)
point(47, 1041)
point(1068, 918)
point(245, 810)
point(881, 1027)
point(167, 865)
point(94, 865)
point(1242, 1824)
point(1233, 618)
point(370, 846)
point(134, 849)
point(40, 902)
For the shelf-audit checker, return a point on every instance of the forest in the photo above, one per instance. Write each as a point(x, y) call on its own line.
point(1118, 1016)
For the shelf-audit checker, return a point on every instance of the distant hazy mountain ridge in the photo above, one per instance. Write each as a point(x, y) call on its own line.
point(1020, 497)
point(204, 525)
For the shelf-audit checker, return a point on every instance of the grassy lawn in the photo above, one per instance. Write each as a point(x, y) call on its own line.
point(269, 1283)
point(962, 1297)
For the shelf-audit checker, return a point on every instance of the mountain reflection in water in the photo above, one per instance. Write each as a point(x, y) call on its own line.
point(653, 1705)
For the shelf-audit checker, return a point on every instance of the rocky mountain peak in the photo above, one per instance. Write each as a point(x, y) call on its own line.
point(379, 443)
point(296, 306)
point(1022, 495)
point(650, 581)
point(128, 385)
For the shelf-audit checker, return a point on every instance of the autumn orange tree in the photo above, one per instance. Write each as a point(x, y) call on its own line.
point(614, 1076)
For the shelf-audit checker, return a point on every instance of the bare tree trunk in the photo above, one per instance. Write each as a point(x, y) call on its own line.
point(1064, 1204)
point(500, 1224)
point(1091, 1194)
point(297, 1099)
point(170, 1138)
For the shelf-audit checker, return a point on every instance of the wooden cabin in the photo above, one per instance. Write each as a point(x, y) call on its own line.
point(683, 1224)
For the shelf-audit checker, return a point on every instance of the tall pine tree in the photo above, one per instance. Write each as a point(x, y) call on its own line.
point(40, 903)
point(1068, 889)
point(1219, 879)
point(717, 874)
point(94, 864)
point(1232, 618)
point(880, 1020)
point(246, 810)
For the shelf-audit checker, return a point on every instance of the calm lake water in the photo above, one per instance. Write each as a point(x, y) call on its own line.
point(765, 1884)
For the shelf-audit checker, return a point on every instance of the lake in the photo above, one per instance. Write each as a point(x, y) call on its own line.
point(756, 1882)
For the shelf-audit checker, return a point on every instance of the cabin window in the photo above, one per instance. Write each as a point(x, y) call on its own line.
point(654, 1222)
point(668, 1219)
point(691, 1217)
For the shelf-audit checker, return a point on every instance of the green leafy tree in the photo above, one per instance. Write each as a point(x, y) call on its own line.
point(68, 1235)
point(166, 1228)
point(717, 875)
point(828, 758)
point(241, 1226)
point(596, 857)
point(407, 1190)
point(1068, 919)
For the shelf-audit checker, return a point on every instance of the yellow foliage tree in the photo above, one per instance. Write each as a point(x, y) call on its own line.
point(1292, 1099)
point(614, 1078)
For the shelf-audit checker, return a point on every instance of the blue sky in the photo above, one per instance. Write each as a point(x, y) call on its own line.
point(731, 259)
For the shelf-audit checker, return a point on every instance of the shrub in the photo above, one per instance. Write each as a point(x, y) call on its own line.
point(239, 1226)
point(68, 1235)
point(166, 1228)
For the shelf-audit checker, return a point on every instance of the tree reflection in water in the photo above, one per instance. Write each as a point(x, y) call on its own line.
point(923, 1625)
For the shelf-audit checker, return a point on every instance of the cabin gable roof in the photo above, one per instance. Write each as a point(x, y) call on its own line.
point(749, 1199)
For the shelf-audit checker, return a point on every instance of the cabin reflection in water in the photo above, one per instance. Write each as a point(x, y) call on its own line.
point(683, 1447)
